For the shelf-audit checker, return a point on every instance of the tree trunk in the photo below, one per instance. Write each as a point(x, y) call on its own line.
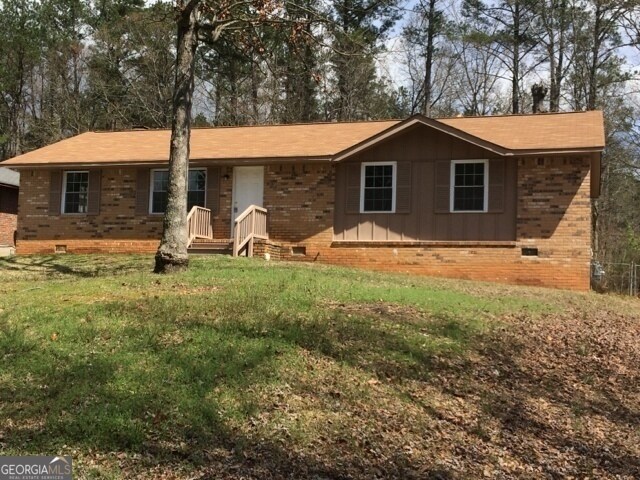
point(592, 99)
point(431, 33)
point(515, 81)
point(554, 87)
point(308, 102)
point(172, 254)
point(557, 49)
point(255, 87)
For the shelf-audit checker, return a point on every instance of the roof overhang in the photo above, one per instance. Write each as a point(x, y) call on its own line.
point(230, 162)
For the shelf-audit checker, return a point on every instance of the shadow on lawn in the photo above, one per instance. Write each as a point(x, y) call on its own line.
point(524, 429)
point(166, 405)
point(78, 266)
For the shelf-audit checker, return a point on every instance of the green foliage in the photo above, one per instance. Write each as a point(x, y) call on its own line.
point(633, 241)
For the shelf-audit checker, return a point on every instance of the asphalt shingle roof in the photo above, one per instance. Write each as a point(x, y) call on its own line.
point(562, 131)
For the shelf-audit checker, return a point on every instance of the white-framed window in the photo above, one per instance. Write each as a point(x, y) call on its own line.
point(196, 194)
point(378, 187)
point(469, 185)
point(75, 192)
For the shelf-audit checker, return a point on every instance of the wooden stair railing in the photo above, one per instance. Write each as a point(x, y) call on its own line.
point(199, 224)
point(250, 225)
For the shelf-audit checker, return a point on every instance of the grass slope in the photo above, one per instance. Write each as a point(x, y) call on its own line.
point(246, 369)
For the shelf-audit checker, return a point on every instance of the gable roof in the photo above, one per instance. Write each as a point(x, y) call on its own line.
point(509, 135)
point(505, 135)
point(9, 177)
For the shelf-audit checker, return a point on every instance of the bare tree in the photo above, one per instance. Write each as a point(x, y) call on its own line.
point(513, 43)
point(478, 77)
point(553, 35)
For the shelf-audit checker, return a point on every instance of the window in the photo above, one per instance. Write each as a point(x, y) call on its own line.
point(197, 186)
point(160, 183)
point(378, 188)
point(469, 180)
point(75, 192)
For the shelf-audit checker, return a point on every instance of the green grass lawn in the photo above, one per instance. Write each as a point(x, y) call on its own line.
point(241, 368)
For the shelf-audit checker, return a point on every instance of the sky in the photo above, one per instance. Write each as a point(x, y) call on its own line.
point(390, 63)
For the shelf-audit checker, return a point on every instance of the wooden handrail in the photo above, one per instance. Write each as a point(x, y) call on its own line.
point(248, 211)
point(199, 224)
point(249, 225)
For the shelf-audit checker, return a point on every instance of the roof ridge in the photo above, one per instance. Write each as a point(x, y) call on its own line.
point(504, 115)
point(230, 127)
point(348, 122)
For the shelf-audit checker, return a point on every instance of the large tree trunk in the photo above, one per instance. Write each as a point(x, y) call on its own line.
point(172, 254)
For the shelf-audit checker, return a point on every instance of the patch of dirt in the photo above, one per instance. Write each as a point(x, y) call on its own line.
point(381, 310)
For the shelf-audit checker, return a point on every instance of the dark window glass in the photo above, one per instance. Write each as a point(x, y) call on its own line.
point(195, 194)
point(76, 194)
point(197, 186)
point(468, 189)
point(159, 195)
point(378, 188)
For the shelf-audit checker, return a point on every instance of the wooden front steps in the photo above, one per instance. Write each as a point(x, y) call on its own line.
point(211, 247)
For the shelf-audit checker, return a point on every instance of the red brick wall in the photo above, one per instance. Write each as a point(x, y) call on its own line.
point(554, 215)
point(8, 226)
point(8, 214)
point(115, 228)
point(300, 201)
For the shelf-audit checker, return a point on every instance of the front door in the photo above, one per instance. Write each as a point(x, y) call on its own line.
point(248, 189)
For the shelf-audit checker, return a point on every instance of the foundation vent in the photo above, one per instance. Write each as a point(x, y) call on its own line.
point(299, 251)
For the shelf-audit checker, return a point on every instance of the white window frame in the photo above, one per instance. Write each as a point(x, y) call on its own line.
point(452, 185)
point(363, 170)
point(63, 200)
point(151, 183)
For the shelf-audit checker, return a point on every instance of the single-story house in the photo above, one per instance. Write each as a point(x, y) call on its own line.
point(9, 185)
point(498, 198)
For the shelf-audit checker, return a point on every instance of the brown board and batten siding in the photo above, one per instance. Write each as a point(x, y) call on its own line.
point(423, 157)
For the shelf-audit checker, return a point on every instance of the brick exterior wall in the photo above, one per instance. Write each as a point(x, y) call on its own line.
point(115, 229)
point(554, 215)
point(8, 227)
point(8, 214)
point(300, 201)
